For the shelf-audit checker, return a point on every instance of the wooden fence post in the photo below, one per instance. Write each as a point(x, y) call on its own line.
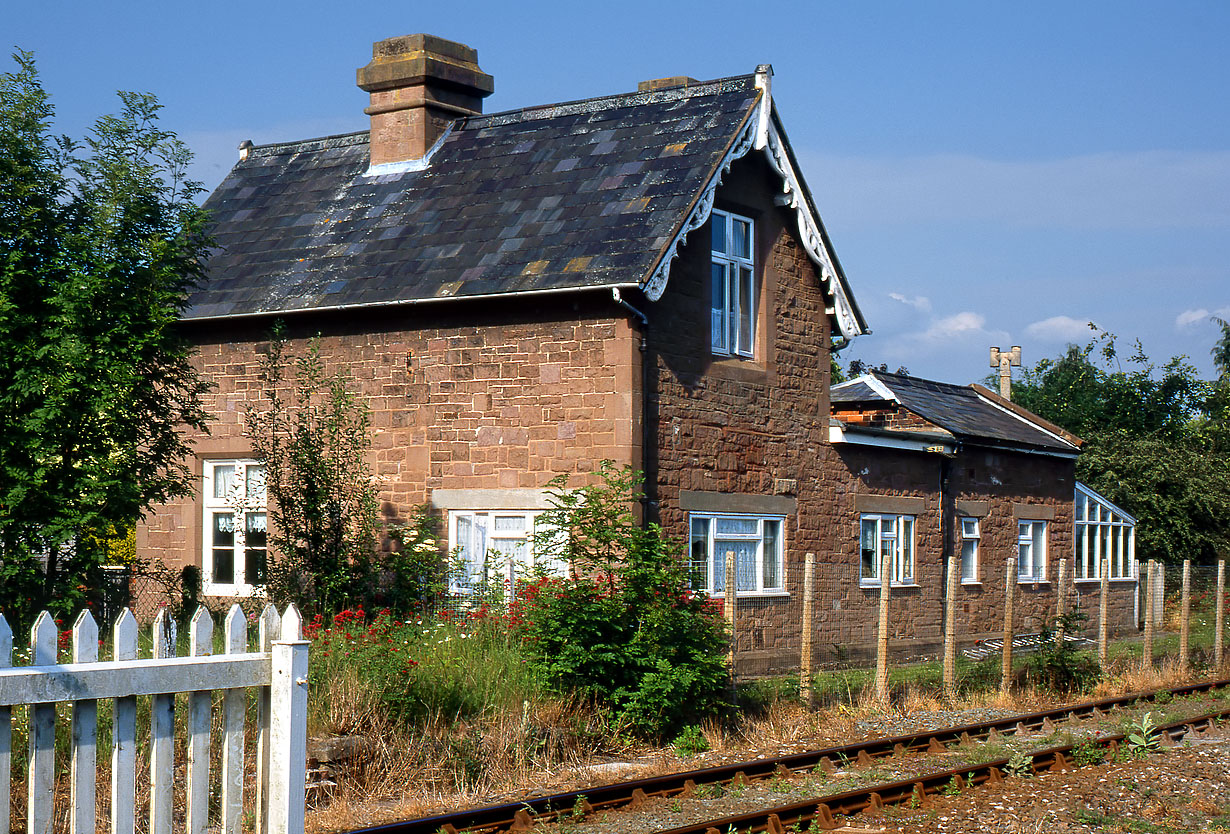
point(1103, 612)
point(1146, 657)
point(234, 702)
point(1219, 630)
point(269, 626)
point(886, 567)
point(728, 609)
point(950, 627)
point(162, 734)
point(201, 642)
point(1061, 602)
point(809, 570)
point(1185, 630)
point(1005, 681)
point(288, 727)
point(41, 762)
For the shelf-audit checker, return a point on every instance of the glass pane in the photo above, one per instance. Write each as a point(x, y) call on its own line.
point(738, 526)
point(742, 247)
point(771, 553)
point(1024, 565)
point(867, 546)
point(509, 524)
point(905, 553)
point(718, 326)
point(969, 528)
point(1082, 506)
point(718, 226)
point(745, 563)
point(747, 310)
point(224, 480)
point(223, 549)
point(255, 539)
point(255, 486)
point(700, 554)
point(969, 561)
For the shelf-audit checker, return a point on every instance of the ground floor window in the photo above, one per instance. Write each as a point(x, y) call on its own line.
point(756, 542)
point(970, 536)
point(1031, 551)
point(491, 550)
point(886, 535)
point(1102, 531)
point(235, 540)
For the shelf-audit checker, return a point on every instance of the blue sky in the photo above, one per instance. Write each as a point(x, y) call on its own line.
point(990, 173)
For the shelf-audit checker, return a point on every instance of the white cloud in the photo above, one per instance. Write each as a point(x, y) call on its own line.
point(1189, 318)
point(1138, 190)
point(918, 302)
point(1059, 329)
point(959, 325)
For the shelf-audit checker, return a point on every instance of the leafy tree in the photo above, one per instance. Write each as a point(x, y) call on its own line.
point(624, 629)
point(314, 441)
point(99, 244)
point(1155, 441)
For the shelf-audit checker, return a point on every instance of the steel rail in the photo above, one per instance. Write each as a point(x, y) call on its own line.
point(517, 816)
point(821, 813)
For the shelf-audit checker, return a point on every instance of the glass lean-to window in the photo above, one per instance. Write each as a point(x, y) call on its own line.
point(756, 542)
point(1031, 551)
point(235, 546)
point(1102, 531)
point(970, 536)
point(733, 285)
point(886, 535)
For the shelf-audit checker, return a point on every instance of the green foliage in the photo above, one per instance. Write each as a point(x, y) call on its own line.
point(322, 498)
point(1058, 666)
point(1143, 736)
point(1157, 440)
point(1088, 752)
point(99, 244)
point(690, 741)
point(413, 575)
point(1020, 764)
point(624, 629)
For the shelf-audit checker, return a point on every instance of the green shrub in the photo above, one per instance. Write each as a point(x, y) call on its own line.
point(624, 629)
point(690, 741)
point(1059, 667)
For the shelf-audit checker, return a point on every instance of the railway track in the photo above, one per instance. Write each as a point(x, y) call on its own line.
point(818, 812)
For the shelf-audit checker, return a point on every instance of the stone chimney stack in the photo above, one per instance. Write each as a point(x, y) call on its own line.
point(419, 85)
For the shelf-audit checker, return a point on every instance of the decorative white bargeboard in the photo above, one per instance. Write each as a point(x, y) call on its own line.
point(278, 672)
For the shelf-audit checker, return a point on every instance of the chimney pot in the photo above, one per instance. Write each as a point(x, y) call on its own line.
point(419, 85)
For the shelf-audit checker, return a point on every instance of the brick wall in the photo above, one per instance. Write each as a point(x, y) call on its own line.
point(463, 396)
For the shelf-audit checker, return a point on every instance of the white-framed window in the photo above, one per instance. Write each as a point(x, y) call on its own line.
point(970, 536)
point(756, 542)
point(234, 543)
point(1102, 531)
point(733, 285)
point(886, 535)
point(494, 548)
point(1031, 551)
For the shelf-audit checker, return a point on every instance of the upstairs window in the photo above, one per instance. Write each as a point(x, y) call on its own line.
point(235, 545)
point(756, 542)
point(886, 535)
point(733, 285)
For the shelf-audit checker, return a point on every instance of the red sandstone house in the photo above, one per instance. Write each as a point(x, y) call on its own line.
point(640, 277)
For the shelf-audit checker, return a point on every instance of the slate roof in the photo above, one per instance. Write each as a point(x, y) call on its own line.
point(970, 413)
point(584, 194)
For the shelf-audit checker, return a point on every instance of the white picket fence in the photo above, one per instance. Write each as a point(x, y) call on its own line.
point(279, 671)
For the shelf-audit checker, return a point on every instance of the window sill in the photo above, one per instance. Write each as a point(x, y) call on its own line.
point(748, 594)
point(210, 589)
point(971, 582)
point(875, 586)
point(1113, 580)
point(1020, 581)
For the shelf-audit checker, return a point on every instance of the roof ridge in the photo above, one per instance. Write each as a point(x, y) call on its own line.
point(953, 386)
point(334, 140)
point(583, 105)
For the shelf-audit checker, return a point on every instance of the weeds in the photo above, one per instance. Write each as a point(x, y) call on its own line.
point(1145, 738)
